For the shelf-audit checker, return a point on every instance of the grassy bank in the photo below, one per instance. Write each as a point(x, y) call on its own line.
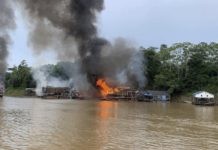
point(18, 92)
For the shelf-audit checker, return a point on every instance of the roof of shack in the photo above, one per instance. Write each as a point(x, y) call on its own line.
point(203, 94)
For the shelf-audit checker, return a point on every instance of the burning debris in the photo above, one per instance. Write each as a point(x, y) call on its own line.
point(105, 89)
point(108, 92)
point(124, 93)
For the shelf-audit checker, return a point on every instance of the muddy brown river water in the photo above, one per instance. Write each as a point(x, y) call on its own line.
point(35, 124)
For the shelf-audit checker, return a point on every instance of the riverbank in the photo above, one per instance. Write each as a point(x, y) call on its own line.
point(15, 92)
point(182, 98)
point(21, 92)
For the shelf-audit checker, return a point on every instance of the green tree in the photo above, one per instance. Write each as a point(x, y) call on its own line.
point(20, 77)
point(153, 63)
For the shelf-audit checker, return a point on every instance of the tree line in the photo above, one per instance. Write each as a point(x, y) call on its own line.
point(180, 68)
point(21, 76)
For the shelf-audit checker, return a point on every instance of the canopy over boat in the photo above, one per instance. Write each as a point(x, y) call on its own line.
point(203, 94)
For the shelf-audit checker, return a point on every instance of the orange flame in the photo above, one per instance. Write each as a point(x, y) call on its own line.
point(105, 88)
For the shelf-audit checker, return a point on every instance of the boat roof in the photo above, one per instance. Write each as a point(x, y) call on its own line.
point(203, 94)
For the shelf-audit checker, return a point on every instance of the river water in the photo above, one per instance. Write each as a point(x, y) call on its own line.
point(35, 124)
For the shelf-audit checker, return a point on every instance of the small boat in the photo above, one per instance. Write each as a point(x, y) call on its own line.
point(203, 98)
point(145, 97)
point(205, 104)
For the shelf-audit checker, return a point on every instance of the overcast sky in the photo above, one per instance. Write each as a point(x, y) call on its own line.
point(144, 22)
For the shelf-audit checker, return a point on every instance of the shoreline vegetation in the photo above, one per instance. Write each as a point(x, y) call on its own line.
point(181, 69)
point(15, 92)
point(20, 93)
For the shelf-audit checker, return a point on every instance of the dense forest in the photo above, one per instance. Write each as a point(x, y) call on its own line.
point(180, 69)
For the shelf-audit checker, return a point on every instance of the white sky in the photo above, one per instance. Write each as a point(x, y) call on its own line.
point(145, 22)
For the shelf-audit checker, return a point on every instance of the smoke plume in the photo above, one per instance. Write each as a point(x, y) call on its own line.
point(3, 55)
point(6, 24)
point(44, 79)
point(53, 22)
point(69, 28)
point(71, 77)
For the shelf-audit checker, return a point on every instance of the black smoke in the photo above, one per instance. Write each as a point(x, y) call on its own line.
point(3, 55)
point(69, 28)
point(75, 19)
point(6, 24)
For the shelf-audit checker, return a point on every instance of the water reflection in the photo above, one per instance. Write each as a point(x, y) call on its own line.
point(107, 109)
point(34, 124)
point(204, 113)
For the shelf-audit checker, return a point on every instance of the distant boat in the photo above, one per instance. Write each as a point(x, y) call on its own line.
point(203, 98)
point(149, 96)
point(145, 97)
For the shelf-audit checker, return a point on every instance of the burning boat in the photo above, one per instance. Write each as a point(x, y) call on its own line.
point(127, 93)
point(115, 93)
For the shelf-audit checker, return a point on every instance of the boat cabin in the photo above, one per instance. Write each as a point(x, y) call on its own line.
point(150, 95)
point(203, 98)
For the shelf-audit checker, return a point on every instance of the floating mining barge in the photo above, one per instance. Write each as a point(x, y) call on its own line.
point(60, 93)
point(125, 93)
point(68, 93)
point(121, 93)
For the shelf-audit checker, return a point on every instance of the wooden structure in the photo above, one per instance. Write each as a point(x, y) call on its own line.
point(127, 93)
point(150, 96)
point(159, 95)
point(203, 98)
point(144, 96)
point(60, 93)
point(124, 93)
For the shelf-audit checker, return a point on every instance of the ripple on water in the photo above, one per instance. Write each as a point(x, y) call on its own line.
point(33, 124)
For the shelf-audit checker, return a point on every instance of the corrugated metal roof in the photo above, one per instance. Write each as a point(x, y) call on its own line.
point(203, 94)
point(155, 93)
